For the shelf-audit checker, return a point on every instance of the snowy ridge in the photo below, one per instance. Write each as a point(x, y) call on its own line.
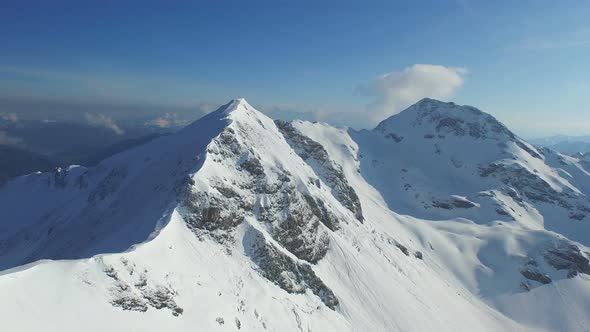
point(439, 219)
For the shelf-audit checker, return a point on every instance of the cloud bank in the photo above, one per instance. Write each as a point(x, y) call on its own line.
point(101, 120)
point(394, 91)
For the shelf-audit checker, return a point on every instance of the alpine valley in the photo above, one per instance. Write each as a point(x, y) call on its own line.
point(439, 219)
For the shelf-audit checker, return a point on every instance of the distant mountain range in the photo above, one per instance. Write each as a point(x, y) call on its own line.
point(564, 144)
point(44, 146)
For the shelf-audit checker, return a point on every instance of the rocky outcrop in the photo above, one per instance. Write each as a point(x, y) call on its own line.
point(291, 275)
point(330, 172)
point(297, 222)
point(568, 257)
point(535, 275)
point(522, 183)
point(140, 296)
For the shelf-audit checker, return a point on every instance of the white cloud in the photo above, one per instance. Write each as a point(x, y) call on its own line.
point(166, 121)
point(397, 90)
point(5, 139)
point(162, 122)
point(101, 120)
point(10, 117)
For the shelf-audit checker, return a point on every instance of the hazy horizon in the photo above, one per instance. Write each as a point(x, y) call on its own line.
point(341, 62)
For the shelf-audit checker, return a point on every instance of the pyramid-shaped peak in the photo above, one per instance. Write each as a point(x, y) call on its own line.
point(239, 104)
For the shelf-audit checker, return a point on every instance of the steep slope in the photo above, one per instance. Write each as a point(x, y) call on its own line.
point(242, 223)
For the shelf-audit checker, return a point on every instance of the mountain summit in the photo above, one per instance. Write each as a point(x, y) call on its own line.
point(439, 218)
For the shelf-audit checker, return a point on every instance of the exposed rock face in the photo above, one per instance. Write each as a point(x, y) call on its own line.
point(568, 257)
point(531, 274)
point(331, 173)
point(521, 183)
point(287, 273)
point(295, 219)
point(139, 296)
point(301, 221)
point(449, 118)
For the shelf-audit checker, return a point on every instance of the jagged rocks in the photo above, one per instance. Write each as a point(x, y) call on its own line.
point(208, 212)
point(139, 296)
point(253, 166)
point(568, 257)
point(162, 298)
point(526, 183)
point(284, 271)
point(131, 303)
point(299, 232)
point(534, 275)
point(331, 173)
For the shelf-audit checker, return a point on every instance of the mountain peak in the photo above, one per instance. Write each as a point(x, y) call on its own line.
point(237, 104)
point(425, 102)
point(235, 109)
point(438, 118)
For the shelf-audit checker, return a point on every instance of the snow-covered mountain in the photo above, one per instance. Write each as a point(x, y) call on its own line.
point(438, 219)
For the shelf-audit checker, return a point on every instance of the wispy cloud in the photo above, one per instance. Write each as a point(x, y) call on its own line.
point(6, 139)
point(10, 117)
point(394, 91)
point(101, 120)
point(166, 121)
point(391, 93)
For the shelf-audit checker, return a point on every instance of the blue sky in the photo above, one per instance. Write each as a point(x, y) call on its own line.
point(345, 62)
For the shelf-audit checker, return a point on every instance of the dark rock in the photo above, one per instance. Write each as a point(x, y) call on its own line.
point(396, 138)
point(527, 149)
point(130, 303)
point(292, 276)
point(577, 216)
point(162, 298)
point(253, 166)
point(403, 249)
point(300, 232)
point(330, 172)
point(462, 203)
point(502, 212)
point(442, 205)
point(536, 276)
point(451, 125)
point(568, 257)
